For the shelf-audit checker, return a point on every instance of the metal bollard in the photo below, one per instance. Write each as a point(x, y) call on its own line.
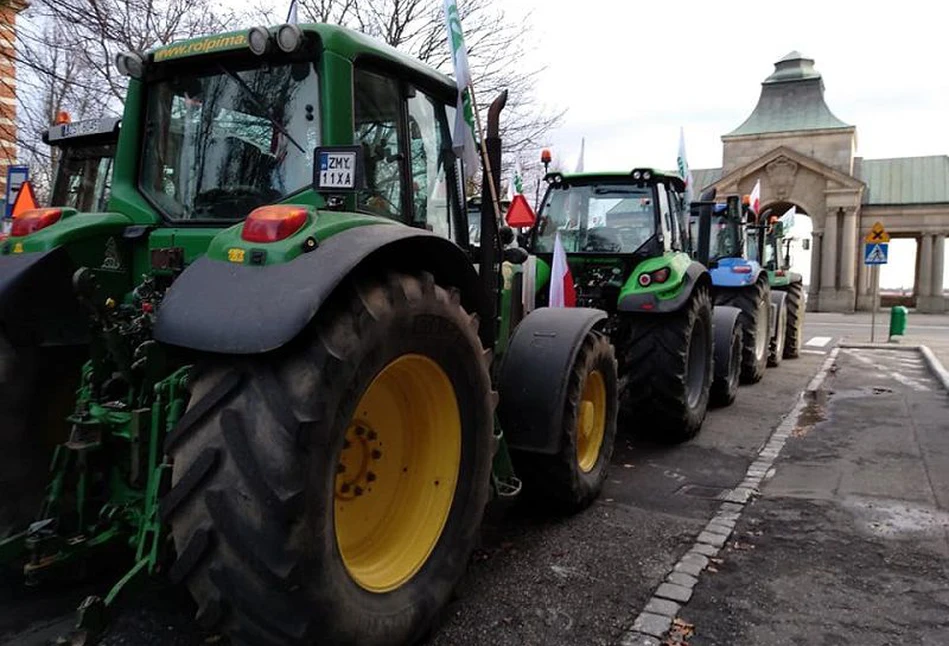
point(898, 320)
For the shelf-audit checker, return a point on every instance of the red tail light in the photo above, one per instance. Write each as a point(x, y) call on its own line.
point(741, 269)
point(660, 275)
point(32, 221)
point(273, 223)
point(779, 272)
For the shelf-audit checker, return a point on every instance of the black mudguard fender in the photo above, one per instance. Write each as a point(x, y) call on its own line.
point(724, 320)
point(649, 304)
point(37, 303)
point(534, 375)
point(227, 308)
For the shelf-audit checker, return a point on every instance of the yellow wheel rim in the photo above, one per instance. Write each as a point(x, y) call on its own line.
point(396, 476)
point(591, 421)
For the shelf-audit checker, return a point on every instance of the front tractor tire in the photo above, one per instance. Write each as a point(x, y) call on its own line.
point(754, 302)
point(572, 478)
point(332, 491)
point(795, 327)
point(666, 370)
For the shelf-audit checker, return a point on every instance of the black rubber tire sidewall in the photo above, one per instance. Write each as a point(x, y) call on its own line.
point(273, 573)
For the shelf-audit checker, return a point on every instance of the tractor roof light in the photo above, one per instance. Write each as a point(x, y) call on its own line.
point(34, 220)
point(131, 64)
point(273, 223)
point(545, 156)
point(637, 175)
point(289, 38)
point(259, 40)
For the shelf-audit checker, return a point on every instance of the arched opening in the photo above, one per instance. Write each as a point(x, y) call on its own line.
point(800, 236)
point(899, 277)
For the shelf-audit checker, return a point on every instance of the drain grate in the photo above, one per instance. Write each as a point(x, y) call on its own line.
point(703, 491)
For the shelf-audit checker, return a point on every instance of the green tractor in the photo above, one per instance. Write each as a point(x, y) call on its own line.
point(275, 369)
point(772, 246)
point(83, 169)
point(625, 242)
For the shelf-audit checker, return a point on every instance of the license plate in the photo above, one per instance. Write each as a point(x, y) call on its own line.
point(337, 170)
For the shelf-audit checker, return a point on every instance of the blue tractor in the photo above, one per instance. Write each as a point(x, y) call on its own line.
point(721, 238)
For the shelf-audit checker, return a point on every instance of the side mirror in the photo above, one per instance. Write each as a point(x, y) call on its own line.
point(806, 244)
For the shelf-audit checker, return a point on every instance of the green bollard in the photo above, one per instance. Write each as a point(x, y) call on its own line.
point(897, 320)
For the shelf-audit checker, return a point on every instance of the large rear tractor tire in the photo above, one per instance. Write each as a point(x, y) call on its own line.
point(727, 358)
point(779, 338)
point(795, 326)
point(666, 370)
point(754, 302)
point(572, 478)
point(332, 491)
point(37, 386)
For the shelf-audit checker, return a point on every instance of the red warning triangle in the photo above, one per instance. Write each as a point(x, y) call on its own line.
point(25, 200)
point(520, 213)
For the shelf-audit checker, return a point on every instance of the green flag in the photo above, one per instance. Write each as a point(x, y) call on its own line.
point(463, 138)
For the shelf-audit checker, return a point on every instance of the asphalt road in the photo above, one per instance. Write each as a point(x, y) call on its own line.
point(536, 579)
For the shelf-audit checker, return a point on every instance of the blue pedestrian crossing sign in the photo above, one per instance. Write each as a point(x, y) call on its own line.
point(875, 253)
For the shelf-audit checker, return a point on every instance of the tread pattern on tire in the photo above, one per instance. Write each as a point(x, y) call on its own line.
point(794, 337)
point(723, 392)
point(246, 551)
point(654, 365)
point(747, 299)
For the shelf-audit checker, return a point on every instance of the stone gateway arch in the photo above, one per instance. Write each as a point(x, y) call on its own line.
point(805, 156)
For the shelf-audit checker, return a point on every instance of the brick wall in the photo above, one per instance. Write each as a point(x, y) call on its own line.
point(8, 13)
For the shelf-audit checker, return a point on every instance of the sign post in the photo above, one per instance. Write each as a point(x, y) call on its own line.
point(875, 253)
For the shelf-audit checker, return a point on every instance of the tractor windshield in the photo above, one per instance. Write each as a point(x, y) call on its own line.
point(219, 145)
point(611, 218)
point(83, 177)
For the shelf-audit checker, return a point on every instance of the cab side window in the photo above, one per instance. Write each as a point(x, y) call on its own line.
point(428, 158)
point(377, 108)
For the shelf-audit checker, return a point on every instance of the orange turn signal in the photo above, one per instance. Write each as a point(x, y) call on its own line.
point(272, 223)
point(32, 221)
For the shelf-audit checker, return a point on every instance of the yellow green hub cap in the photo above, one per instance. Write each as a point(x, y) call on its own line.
point(396, 476)
point(591, 421)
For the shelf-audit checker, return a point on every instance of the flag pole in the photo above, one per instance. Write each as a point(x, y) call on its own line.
point(484, 156)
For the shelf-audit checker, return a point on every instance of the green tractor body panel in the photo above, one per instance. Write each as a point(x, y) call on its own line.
point(671, 286)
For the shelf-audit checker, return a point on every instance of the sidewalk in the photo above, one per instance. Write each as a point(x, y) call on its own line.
point(848, 542)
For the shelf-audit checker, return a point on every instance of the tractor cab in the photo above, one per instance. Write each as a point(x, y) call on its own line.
point(609, 222)
point(722, 231)
point(85, 151)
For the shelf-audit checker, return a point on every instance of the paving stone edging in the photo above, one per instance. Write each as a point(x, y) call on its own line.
point(651, 625)
point(929, 357)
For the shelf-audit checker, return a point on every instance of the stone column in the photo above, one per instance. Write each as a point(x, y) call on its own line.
point(813, 288)
point(939, 268)
point(924, 294)
point(848, 246)
point(828, 263)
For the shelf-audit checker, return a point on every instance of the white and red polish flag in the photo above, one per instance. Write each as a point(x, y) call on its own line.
point(755, 198)
point(562, 292)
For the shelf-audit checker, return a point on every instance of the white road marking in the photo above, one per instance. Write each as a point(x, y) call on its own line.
point(903, 379)
point(819, 341)
point(805, 351)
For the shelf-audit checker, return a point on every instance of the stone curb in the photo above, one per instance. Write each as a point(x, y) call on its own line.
point(652, 624)
point(935, 366)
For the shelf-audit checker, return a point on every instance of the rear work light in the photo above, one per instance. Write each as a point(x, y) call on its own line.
point(272, 223)
point(741, 269)
point(657, 276)
point(32, 221)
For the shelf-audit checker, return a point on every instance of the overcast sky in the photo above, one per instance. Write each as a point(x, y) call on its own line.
point(630, 74)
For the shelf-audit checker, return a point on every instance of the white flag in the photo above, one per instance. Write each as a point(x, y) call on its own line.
point(292, 14)
point(463, 139)
point(684, 171)
point(516, 184)
point(579, 168)
point(755, 199)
